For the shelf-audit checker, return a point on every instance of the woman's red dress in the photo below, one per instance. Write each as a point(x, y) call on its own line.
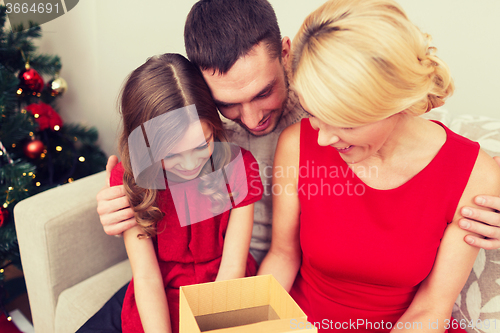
point(365, 251)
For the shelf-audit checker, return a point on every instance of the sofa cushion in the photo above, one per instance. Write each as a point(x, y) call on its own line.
point(478, 305)
point(484, 130)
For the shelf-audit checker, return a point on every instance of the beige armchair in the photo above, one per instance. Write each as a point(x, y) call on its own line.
point(71, 266)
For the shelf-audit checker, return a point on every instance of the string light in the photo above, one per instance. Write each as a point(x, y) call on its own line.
point(58, 148)
point(36, 115)
point(19, 91)
point(10, 188)
point(70, 180)
point(23, 111)
point(81, 159)
point(38, 184)
point(1, 153)
point(56, 128)
point(24, 173)
point(5, 205)
point(31, 133)
point(42, 155)
point(13, 145)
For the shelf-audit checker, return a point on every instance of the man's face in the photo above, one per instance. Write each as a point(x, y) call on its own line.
point(254, 91)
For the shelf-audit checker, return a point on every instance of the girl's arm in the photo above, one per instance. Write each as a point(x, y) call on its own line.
point(148, 283)
point(236, 244)
point(284, 257)
point(437, 293)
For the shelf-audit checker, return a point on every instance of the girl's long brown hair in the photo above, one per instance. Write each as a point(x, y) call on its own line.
point(166, 83)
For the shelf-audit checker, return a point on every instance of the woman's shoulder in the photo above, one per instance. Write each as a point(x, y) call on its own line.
point(456, 149)
point(288, 148)
point(484, 180)
point(291, 135)
point(485, 176)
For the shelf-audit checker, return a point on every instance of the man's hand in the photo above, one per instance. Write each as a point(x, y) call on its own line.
point(113, 207)
point(490, 226)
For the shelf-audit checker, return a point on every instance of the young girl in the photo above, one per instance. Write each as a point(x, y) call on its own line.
point(181, 177)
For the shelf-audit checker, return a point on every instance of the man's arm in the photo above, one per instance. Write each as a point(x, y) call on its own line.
point(484, 223)
point(113, 207)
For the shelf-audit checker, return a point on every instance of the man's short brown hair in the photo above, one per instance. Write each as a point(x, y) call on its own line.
point(218, 32)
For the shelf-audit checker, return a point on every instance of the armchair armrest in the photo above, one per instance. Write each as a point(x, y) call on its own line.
point(62, 243)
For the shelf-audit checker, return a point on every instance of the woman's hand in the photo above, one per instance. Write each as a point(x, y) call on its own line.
point(482, 222)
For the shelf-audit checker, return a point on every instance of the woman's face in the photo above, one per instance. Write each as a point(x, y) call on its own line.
point(189, 156)
point(355, 144)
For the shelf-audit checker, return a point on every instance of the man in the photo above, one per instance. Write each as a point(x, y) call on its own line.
point(250, 87)
point(238, 47)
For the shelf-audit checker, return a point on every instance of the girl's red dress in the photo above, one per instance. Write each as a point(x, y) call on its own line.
point(365, 251)
point(190, 254)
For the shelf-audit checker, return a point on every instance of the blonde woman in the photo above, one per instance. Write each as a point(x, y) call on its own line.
point(367, 239)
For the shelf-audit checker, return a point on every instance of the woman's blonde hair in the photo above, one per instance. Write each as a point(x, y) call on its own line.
point(359, 61)
point(166, 83)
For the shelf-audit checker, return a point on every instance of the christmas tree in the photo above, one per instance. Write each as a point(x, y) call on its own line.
point(37, 151)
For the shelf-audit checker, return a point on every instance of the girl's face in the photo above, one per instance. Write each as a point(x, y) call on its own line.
point(189, 156)
point(355, 144)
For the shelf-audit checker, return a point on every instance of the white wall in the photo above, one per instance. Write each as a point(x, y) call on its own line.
point(101, 41)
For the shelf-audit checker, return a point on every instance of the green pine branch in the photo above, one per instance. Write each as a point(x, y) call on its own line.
point(16, 182)
point(82, 134)
point(3, 16)
point(9, 248)
point(15, 127)
point(8, 87)
point(46, 64)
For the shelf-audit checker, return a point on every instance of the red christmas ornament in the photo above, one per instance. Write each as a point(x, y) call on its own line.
point(34, 149)
point(30, 80)
point(4, 215)
point(45, 116)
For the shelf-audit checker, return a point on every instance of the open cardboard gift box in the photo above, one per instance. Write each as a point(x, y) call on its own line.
point(253, 304)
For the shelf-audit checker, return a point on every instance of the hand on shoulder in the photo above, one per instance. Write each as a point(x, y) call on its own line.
point(113, 206)
point(483, 217)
